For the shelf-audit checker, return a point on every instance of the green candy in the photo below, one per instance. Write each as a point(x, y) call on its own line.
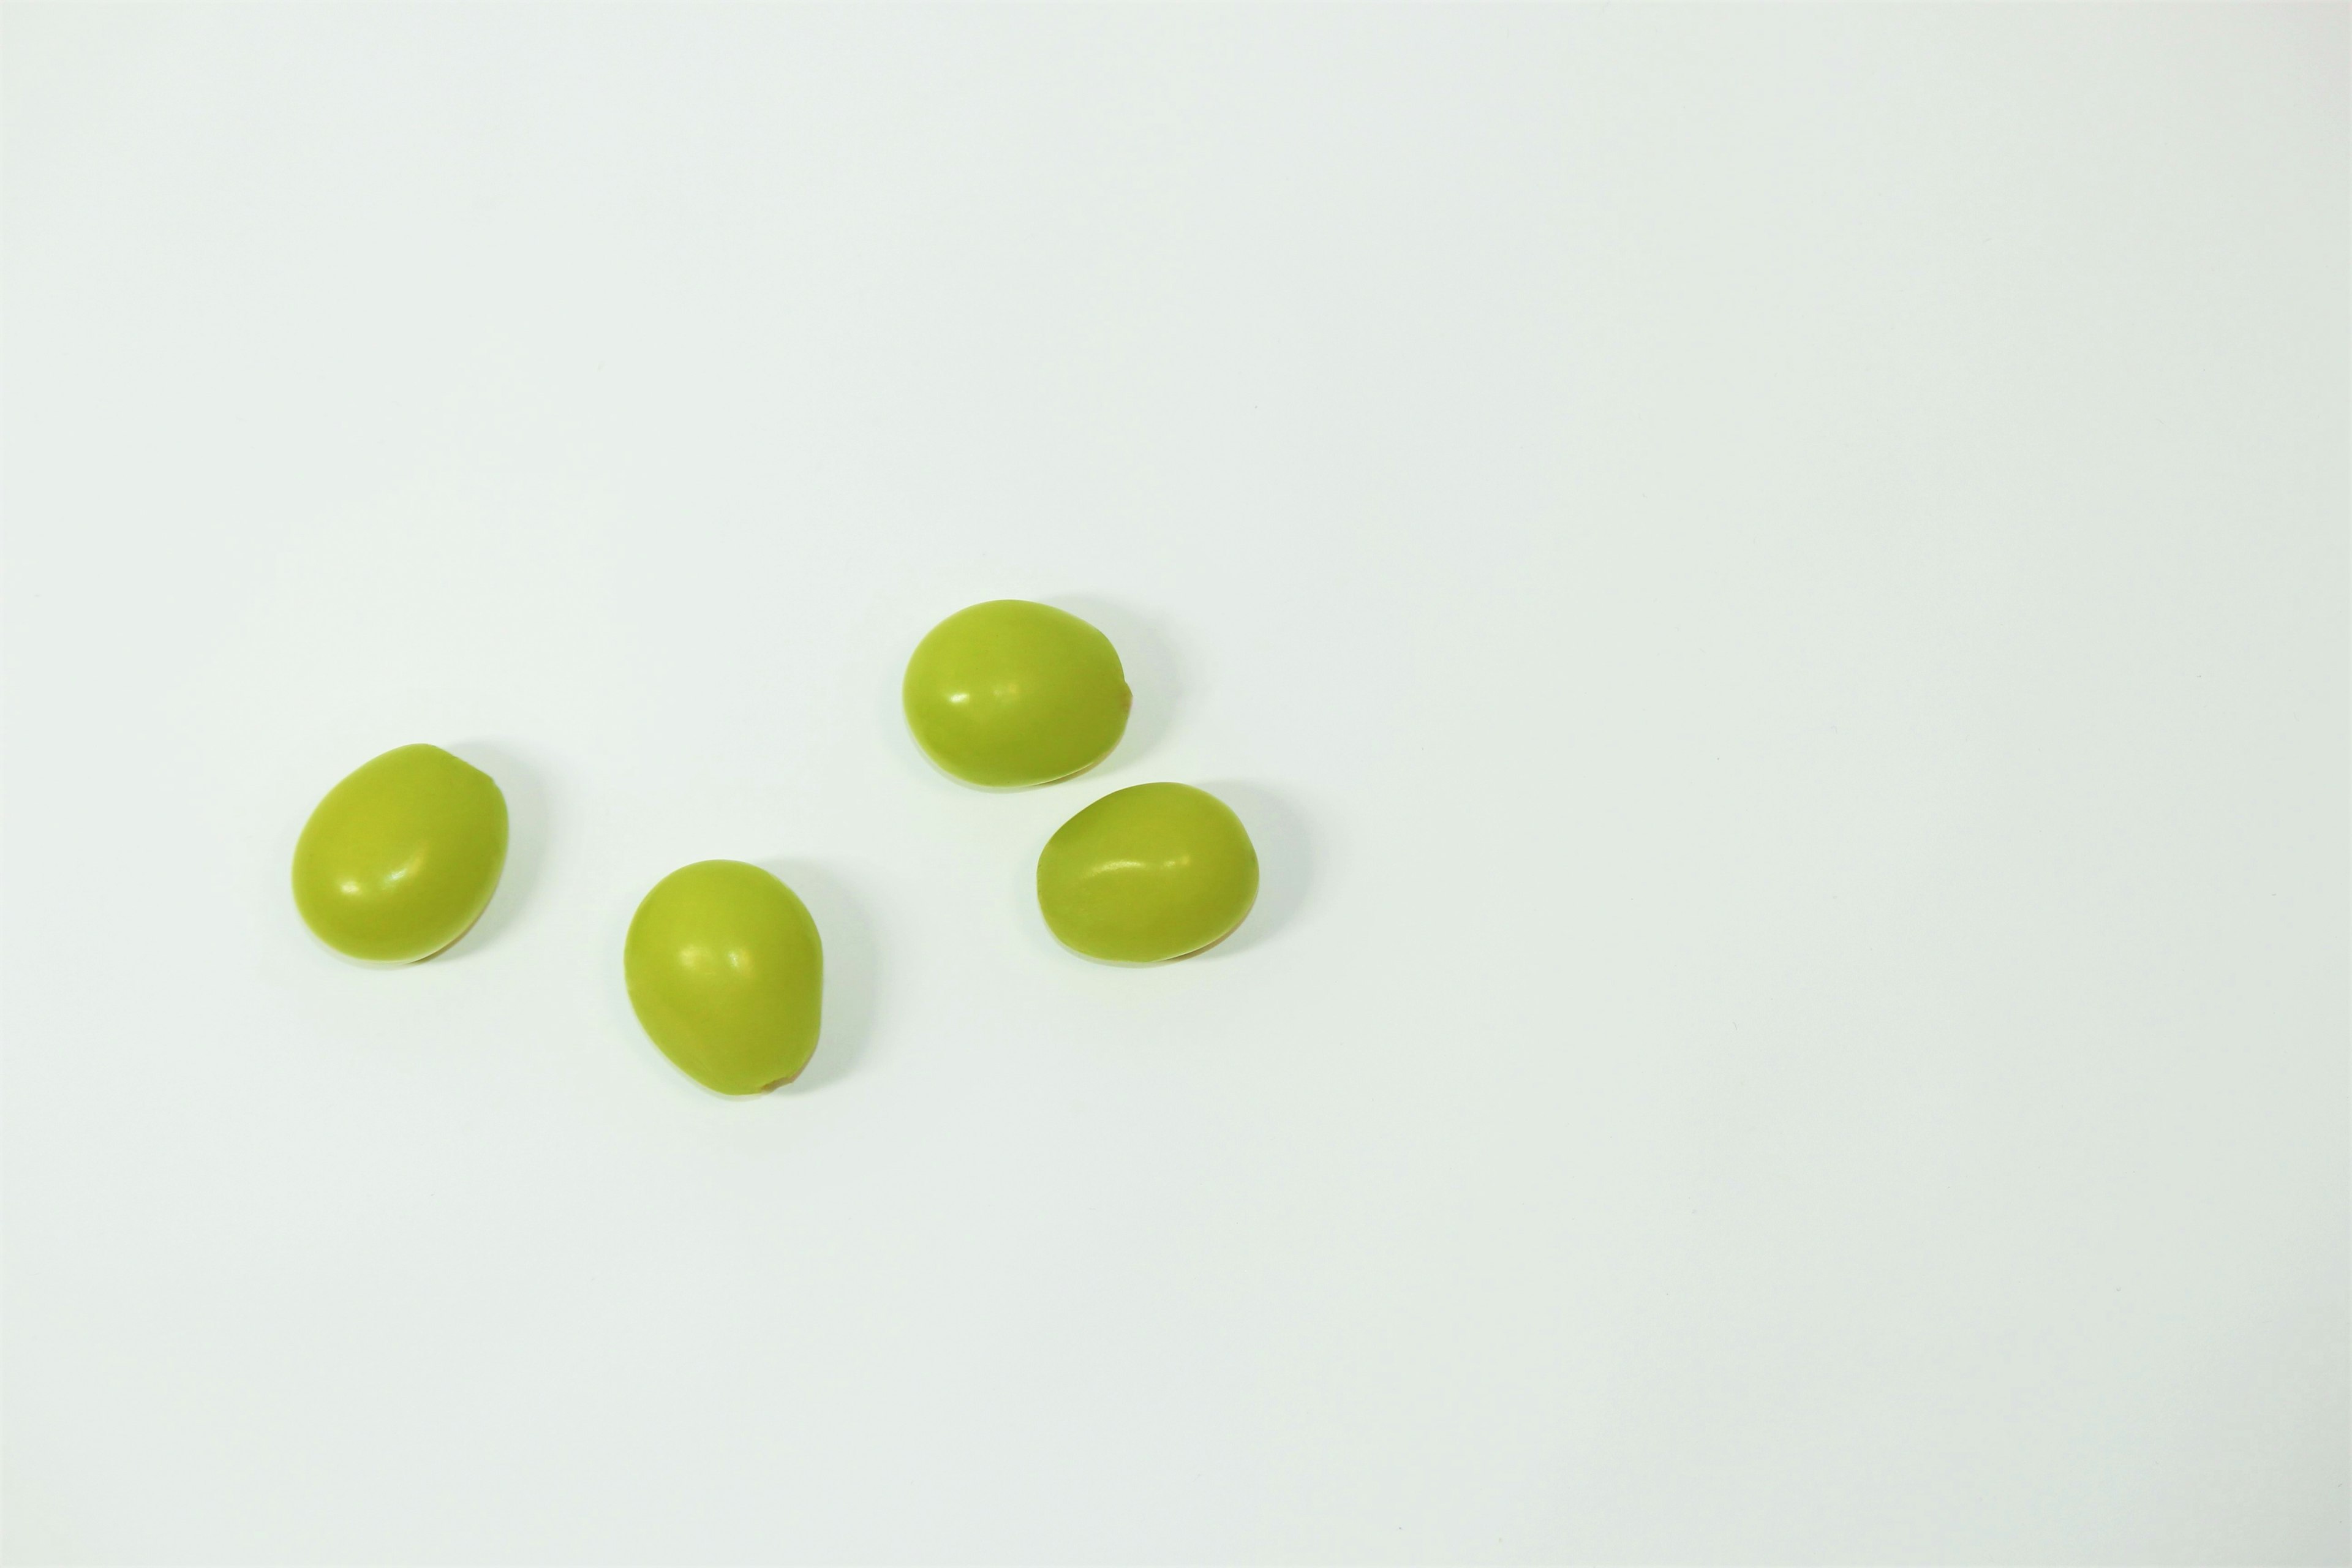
point(1009, 694)
point(402, 856)
point(726, 975)
point(1147, 874)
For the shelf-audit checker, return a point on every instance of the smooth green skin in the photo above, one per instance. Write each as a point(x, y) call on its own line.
point(1008, 694)
point(402, 856)
point(726, 975)
point(1148, 874)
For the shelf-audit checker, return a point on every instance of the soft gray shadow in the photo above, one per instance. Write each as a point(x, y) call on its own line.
point(851, 972)
point(1150, 663)
point(526, 793)
point(1285, 866)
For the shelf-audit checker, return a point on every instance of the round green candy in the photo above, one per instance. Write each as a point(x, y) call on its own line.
point(726, 975)
point(1009, 694)
point(1149, 873)
point(402, 856)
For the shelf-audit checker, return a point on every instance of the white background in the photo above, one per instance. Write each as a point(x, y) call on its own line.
point(1770, 584)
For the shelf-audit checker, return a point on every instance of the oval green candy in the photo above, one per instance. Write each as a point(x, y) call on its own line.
point(726, 975)
point(402, 856)
point(1010, 693)
point(1148, 873)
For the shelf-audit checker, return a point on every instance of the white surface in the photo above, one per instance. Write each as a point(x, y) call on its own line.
point(1770, 583)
